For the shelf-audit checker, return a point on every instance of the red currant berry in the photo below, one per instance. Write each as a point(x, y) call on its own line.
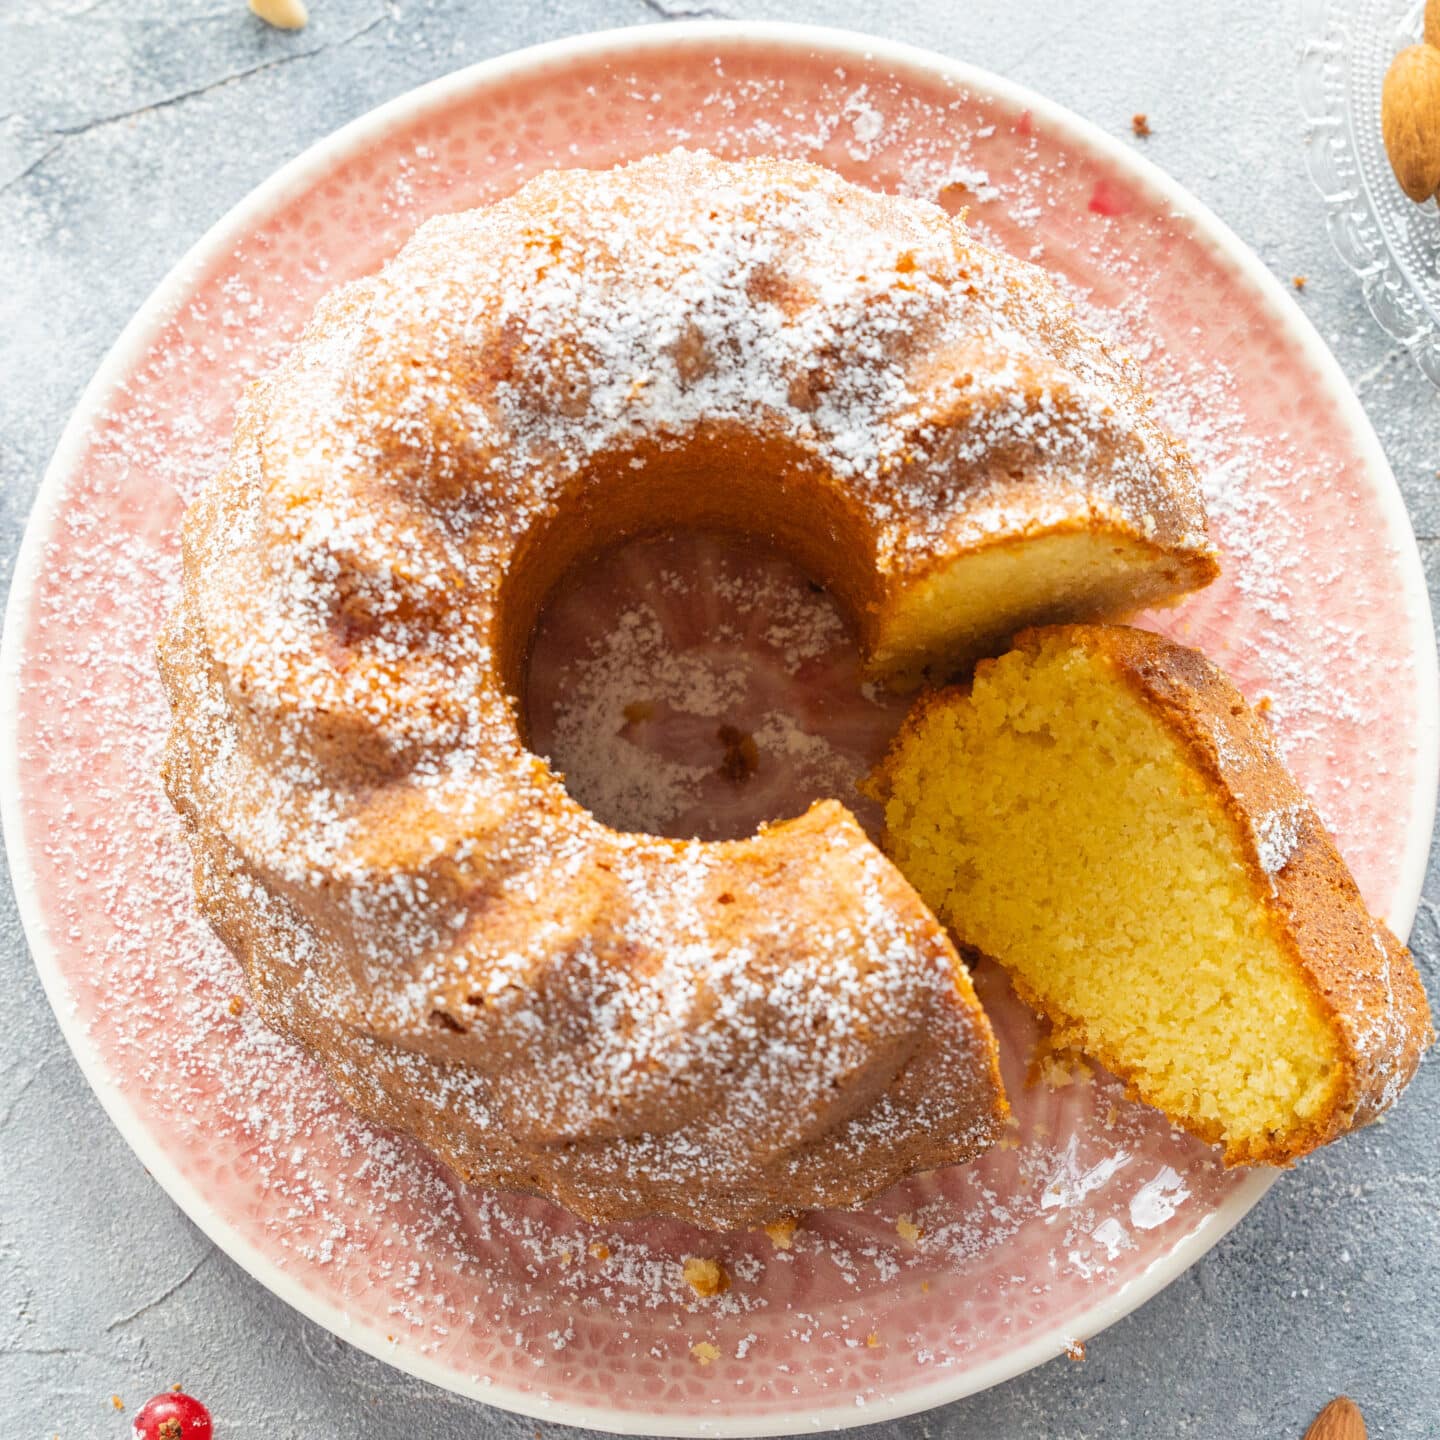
point(172, 1416)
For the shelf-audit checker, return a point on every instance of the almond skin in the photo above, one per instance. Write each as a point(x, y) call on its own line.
point(1410, 119)
point(282, 14)
point(1339, 1420)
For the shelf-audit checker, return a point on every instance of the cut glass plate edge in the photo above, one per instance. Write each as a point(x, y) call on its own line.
point(1354, 219)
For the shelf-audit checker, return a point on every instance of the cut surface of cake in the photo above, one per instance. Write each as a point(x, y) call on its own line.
point(1102, 813)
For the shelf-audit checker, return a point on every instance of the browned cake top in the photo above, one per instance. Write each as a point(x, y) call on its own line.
point(623, 1022)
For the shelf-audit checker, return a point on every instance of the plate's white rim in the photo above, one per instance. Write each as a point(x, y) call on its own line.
point(296, 175)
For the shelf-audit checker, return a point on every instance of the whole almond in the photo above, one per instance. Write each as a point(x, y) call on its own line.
point(1339, 1420)
point(1410, 119)
point(1432, 22)
point(282, 14)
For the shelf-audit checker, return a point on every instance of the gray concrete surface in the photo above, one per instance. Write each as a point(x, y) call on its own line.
point(126, 128)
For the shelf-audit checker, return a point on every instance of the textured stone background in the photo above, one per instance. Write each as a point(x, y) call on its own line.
point(126, 128)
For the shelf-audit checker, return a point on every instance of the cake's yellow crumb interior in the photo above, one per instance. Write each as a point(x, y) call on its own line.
point(972, 605)
point(1057, 826)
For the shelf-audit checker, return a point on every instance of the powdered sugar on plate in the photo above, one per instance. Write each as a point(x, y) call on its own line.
point(695, 685)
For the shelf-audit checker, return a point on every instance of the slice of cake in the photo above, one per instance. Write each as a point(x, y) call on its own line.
point(1102, 813)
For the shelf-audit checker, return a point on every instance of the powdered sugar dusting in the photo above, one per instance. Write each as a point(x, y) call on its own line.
point(632, 700)
point(1277, 833)
point(622, 1025)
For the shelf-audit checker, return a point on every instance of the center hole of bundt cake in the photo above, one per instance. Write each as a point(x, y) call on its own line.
point(693, 683)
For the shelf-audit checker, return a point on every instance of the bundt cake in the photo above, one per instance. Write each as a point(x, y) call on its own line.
point(1102, 813)
point(623, 1023)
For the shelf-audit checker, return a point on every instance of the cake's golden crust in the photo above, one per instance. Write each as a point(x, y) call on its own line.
point(623, 1023)
point(1362, 978)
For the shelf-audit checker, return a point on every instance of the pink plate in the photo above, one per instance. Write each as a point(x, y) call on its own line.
point(954, 1281)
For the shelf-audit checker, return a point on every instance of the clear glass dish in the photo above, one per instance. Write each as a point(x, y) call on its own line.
point(1391, 243)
